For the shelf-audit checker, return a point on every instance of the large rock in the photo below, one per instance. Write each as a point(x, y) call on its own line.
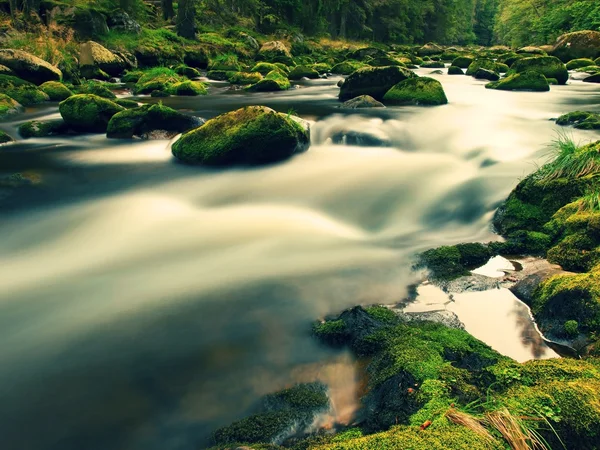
point(196, 57)
point(37, 128)
point(580, 44)
point(147, 120)
point(88, 112)
point(367, 52)
point(373, 81)
point(362, 101)
point(273, 82)
point(299, 72)
point(22, 91)
point(249, 136)
point(430, 49)
point(580, 63)
point(56, 91)
point(8, 106)
point(275, 51)
point(485, 74)
point(526, 81)
point(93, 57)
point(5, 138)
point(549, 66)
point(29, 67)
point(416, 91)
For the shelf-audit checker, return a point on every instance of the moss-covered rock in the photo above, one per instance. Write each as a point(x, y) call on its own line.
point(430, 49)
point(29, 67)
point(157, 79)
point(384, 61)
point(264, 68)
point(56, 91)
point(45, 128)
point(579, 44)
point(95, 88)
point(416, 91)
point(6, 71)
point(592, 79)
point(147, 119)
point(22, 91)
point(245, 78)
point(362, 101)
point(455, 70)
point(274, 81)
point(482, 63)
point(433, 65)
point(485, 74)
point(583, 120)
point(549, 66)
point(373, 81)
point(5, 138)
point(132, 76)
point(88, 112)
point(196, 57)
point(300, 72)
point(462, 62)
point(8, 106)
point(531, 50)
point(188, 88)
point(249, 136)
point(579, 63)
point(275, 51)
point(93, 57)
point(322, 68)
point(187, 71)
point(227, 63)
point(526, 81)
point(449, 262)
point(126, 103)
point(346, 67)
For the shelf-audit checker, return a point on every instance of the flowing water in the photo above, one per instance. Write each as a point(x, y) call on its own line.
point(145, 303)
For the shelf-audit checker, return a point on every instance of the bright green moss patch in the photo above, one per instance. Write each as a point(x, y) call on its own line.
point(95, 88)
point(22, 91)
point(188, 88)
point(549, 66)
point(8, 106)
point(347, 67)
point(299, 72)
point(245, 78)
point(449, 262)
point(56, 91)
point(252, 135)
point(416, 91)
point(186, 71)
point(36, 128)
point(526, 81)
point(583, 120)
point(579, 63)
point(157, 79)
point(273, 81)
point(264, 68)
point(88, 112)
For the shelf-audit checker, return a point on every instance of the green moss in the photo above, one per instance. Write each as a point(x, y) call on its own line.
point(157, 79)
point(56, 91)
point(125, 103)
point(88, 112)
point(274, 81)
point(264, 68)
point(347, 67)
point(132, 76)
point(579, 63)
point(373, 81)
point(186, 71)
point(144, 119)
point(433, 65)
point(571, 328)
point(4, 138)
point(245, 78)
point(526, 81)
point(382, 314)
point(24, 92)
point(321, 68)
point(455, 70)
point(549, 66)
point(416, 91)
point(443, 262)
point(36, 128)
point(188, 88)
point(227, 62)
point(8, 106)
point(252, 135)
point(583, 120)
point(299, 72)
point(332, 332)
point(95, 88)
point(482, 63)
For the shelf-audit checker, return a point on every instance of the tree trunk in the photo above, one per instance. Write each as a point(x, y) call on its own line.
point(167, 9)
point(186, 20)
point(31, 6)
point(343, 19)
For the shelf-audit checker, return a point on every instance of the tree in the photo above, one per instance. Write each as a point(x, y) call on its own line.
point(167, 9)
point(186, 19)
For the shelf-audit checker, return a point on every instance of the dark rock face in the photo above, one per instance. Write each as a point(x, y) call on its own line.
point(592, 78)
point(484, 74)
point(373, 81)
point(121, 21)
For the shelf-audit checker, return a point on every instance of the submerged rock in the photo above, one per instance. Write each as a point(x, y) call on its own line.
point(146, 120)
point(29, 67)
point(592, 78)
point(88, 112)
point(416, 91)
point(274, 81)
point(249, 136)
point(526, 81)
point(583, 120)
point(362, 101)
point(373, 81)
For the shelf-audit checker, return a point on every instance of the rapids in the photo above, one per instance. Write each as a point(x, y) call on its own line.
point(145, 303)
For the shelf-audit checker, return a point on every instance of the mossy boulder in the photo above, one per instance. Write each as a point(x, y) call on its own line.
point(56, 91)
point(264, 68)
point(188, 88)
point(592, 78)
point(362, 101)
point(416, 91)
point(126, 103)
point(22, 91)
point(579, 63)
point(433, 65)
point(322, 68)
point(158, 79)
point(485, 74)
point(579, 44)
point(5, 138)
point(6, 71)
point(245, 78)
point(94, 57)
point(300, 72)
point(526, 81)
point(280, 415)
point(248, 136)
point(96, 88)
point(455, 70)
point(482, 63)
point(196, 57)
point(275, 51)
point(531, 50)
point(462, 62)
point(430, 49)
point(583, 120)
point(384, 61)
point(366, 53)
point(449, 262)
point(549, 66)
point(274, 81)
point(29, 67)
point(8, 106)
point(37, 128)
point(88, 112)
point(187, 71)
point(346, 67)
point(227, 63)
point(146, 120)
point(373, 81)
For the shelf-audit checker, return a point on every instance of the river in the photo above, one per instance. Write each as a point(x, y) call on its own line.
point(145, 302)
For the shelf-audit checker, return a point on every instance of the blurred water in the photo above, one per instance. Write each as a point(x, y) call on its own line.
point(145, 302)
